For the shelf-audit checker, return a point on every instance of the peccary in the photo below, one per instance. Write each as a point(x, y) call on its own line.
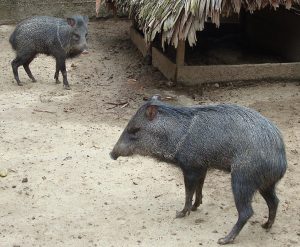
point(228, 137)
point(57, 37)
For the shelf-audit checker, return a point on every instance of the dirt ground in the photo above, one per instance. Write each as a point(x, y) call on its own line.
point(77, 196)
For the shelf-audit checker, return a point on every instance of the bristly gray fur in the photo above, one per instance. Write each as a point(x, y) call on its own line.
point(207, 134)
point(228, 137)
point(57, 37)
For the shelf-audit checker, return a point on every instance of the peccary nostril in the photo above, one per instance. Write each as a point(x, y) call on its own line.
point(113, 155)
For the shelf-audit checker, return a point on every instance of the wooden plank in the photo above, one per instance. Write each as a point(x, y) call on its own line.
point(194, 75)
point(139, 42)
point(180, 53)
point(165, 65)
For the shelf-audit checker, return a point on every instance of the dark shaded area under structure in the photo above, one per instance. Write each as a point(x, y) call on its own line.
point(267, 36)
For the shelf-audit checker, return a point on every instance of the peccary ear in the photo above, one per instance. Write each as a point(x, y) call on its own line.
point(156, 97)
point(71, 22)
point(86, 19)
point(151, 112)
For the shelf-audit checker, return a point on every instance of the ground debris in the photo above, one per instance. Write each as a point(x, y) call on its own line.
point(122, 104)
point(3, 172)
point(38, 110)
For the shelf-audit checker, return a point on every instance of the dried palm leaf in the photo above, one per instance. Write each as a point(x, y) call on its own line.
point(181, 19)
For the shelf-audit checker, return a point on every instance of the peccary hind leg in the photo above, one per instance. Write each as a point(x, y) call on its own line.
point(191, 181)
point(272, 201)
point(27, 69)
point(25, 60)
point(198, 194)
point(243, 192)
point(15, 65)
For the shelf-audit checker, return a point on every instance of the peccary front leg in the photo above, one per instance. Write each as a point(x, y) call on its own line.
point(62, 68)
point(198, 194)
point(190, 182)
point(57, 73)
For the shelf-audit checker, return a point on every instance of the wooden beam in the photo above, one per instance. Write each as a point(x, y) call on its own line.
point(164, 64)
point(180, 53)
point(139, 42)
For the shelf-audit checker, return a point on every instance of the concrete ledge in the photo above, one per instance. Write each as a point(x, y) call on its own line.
point(139, 42)
point(165, 65)
point(194, 75)
point(12, 11)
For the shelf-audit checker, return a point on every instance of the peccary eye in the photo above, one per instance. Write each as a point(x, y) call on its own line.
point(133, 131)
point(86, 35)
point(76, 36)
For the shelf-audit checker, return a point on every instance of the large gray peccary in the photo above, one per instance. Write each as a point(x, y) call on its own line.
point(57, 37)
point(226, 137)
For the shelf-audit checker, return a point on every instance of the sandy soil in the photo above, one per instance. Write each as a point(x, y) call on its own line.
point(77, 196)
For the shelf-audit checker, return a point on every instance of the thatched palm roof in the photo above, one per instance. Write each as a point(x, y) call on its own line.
point(181, 19)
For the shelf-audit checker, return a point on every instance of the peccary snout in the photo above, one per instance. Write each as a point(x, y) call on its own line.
point(231, 138)
point(123, 147)
point(113, 155)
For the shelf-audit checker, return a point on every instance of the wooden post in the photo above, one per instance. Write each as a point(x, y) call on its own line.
point(180, 53)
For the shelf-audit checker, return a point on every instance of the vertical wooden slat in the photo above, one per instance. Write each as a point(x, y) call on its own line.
point(180, 53)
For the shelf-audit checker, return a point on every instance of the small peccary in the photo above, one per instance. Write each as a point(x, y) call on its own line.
point(226, 137)
point(57, 37)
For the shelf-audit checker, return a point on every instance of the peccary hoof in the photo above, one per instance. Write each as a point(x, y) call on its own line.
point(34, 80)
point(57, 81)
point(20, 84)
point(267, 225)
point(67, 87)
point(181, 214)
point(225, 240)
point(113, 156)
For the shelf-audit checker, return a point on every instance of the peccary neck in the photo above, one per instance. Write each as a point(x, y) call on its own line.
point(183, 137)
point(175, 134)
point(63, 36)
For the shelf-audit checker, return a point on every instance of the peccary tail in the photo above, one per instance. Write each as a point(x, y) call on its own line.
point(12, 40)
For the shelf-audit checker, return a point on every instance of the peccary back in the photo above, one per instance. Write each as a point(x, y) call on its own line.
point(225, 137)
point(50, 35)
point(232, 138)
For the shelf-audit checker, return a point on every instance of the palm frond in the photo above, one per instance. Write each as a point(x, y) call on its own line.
point(181, 19)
